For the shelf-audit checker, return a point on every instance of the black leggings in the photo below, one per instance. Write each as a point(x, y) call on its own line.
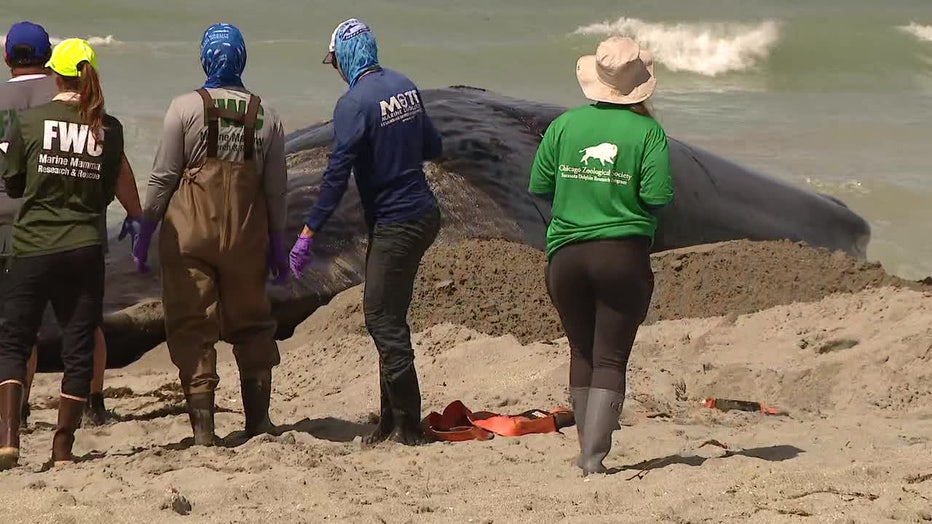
point(601, 290)
point(73, 281)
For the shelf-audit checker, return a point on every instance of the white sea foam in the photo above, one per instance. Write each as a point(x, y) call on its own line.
point(93, 40)
point(838, 187)
point(922, 32)
point(706, 48)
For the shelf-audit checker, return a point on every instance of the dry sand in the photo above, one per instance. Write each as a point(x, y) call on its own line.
point(853, 372)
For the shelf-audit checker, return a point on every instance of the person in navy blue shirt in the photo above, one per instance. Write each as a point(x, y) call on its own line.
point(383, 134)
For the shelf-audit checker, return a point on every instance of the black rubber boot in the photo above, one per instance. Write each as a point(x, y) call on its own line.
point(386, 418)
point(24, 414)
point(27, 409)
point(201, 413)
point(95, 413)
point(256, 389)
point(405, 397)
point(69, 420)
point(580, 397)
point(602, 411)
point(11, 403)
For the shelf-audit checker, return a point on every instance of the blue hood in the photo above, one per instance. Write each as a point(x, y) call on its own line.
point(355, 49)
point(223, 56)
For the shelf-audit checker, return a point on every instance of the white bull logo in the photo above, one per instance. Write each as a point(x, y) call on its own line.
point(603, 152)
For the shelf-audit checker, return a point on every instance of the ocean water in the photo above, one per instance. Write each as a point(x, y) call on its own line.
point(830, 94)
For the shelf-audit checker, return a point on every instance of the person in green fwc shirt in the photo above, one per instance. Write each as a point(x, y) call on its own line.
point(607, 168)
point(26, 51)
point(63, 159)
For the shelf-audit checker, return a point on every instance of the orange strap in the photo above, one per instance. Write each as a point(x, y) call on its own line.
point(458, 423)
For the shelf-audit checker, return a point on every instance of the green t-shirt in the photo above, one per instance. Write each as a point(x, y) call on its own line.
point(65, 177)
point(603, 165)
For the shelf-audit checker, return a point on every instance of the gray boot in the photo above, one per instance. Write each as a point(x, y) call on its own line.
point(602, 413)
point(580, 397)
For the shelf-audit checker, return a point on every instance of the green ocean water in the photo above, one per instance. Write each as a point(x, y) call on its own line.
point(833, 94)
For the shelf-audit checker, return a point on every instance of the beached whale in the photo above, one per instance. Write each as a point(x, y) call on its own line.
point(481, 182)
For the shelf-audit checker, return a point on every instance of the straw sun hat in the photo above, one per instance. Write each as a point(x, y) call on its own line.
point(619, 72)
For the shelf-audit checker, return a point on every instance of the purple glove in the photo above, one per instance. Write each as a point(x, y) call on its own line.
point(141, 245)
point(277, 257)
point(300, 255)
point(131, 226)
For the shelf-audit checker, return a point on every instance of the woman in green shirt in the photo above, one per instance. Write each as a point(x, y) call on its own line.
point(607, 169)
point(63, 160)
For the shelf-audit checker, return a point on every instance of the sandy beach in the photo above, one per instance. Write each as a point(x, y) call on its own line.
point(803, 121)
point(841, 347)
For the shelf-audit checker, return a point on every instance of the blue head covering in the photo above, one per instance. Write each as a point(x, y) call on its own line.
point(355, 49)
point(223, 56)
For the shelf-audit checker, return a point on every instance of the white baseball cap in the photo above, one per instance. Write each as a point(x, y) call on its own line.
point(350, 28)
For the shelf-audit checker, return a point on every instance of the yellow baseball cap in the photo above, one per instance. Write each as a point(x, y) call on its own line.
point(68, 55)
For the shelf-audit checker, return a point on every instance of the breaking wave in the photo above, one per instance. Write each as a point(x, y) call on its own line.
point(93, 40)
point(922, 32)
point(705, 48)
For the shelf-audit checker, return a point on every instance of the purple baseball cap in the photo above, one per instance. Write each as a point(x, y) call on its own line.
point(27, 41)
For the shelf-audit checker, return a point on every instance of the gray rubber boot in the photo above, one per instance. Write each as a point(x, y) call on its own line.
point(580, 398)
point(602, 413)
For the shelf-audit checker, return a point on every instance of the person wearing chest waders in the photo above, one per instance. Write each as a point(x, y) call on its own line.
point(26, 52)
point(607, 169)
point(383, 134)
point(63, 159)
point(218, 187)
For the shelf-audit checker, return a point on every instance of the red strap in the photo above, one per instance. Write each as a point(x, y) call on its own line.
point(437, 430)
point(458, 423)
point(453, 425)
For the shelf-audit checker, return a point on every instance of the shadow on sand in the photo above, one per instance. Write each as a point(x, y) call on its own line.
point(329, 428)
point(778, 453)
